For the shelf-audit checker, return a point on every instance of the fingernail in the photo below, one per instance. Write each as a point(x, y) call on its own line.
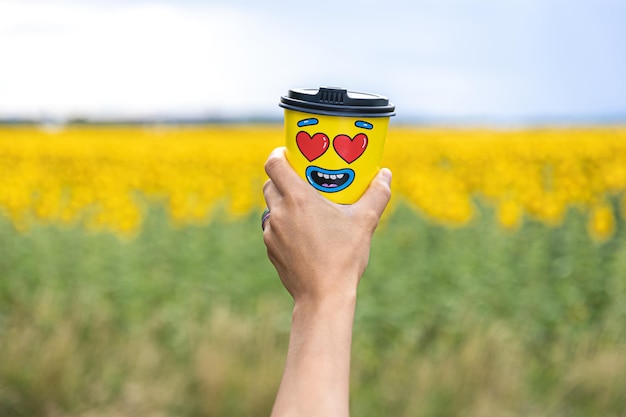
point(386, 173)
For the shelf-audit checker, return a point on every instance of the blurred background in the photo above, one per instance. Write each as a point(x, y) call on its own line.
point(133, 275)
point(497, 61)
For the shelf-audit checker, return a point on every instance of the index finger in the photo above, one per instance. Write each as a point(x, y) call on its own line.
point(377, 195)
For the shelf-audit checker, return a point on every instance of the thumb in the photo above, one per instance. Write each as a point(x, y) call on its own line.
point(280, 172)
point(377, 194)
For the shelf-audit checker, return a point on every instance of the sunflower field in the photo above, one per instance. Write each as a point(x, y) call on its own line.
point(134, 279)
point(97, 176)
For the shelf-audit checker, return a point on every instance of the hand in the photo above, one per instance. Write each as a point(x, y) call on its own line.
point(319, 248)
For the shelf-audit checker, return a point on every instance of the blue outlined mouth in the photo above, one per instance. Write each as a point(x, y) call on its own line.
point(329, 180)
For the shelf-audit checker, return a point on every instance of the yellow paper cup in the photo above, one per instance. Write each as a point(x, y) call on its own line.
point(335, 139)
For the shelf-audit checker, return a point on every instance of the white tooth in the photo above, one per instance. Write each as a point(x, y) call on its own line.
point(340, 176)
point(333, 177)
point(326, 176)
point(319, 174)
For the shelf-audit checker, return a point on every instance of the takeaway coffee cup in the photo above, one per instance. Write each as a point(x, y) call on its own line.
point(335, 138)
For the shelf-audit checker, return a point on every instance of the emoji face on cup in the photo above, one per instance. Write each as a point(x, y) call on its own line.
point(336, 155)
point(335, 138)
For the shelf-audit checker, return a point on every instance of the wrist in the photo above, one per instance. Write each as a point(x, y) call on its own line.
point(336, 305)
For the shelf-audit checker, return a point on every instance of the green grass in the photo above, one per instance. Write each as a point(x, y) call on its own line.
point(472, 321)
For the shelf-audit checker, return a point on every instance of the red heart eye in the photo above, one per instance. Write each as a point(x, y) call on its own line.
point(312, 147)
point(350, 149)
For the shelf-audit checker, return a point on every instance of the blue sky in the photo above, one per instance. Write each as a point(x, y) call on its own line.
point(482, 60)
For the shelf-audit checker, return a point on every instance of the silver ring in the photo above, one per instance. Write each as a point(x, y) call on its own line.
point(264, 217)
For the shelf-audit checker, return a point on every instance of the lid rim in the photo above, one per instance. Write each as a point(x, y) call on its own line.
point(341, 110)
point(337, 101)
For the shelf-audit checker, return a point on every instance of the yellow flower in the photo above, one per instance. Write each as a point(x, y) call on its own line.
point(601, 223)
point(509, 214)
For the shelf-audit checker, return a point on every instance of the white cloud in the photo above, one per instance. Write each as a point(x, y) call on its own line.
point(139, 60)
point(445, 58)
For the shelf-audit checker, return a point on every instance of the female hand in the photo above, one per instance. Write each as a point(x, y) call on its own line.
point(319, 248)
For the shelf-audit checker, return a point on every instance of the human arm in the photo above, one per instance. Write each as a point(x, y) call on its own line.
point(320, 250)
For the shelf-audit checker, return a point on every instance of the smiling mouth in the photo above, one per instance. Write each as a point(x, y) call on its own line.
point(328, 180)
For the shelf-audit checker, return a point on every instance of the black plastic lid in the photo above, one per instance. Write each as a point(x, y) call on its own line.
point(332, 101)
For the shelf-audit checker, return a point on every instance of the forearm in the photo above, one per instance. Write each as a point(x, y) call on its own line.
point(316, 380)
